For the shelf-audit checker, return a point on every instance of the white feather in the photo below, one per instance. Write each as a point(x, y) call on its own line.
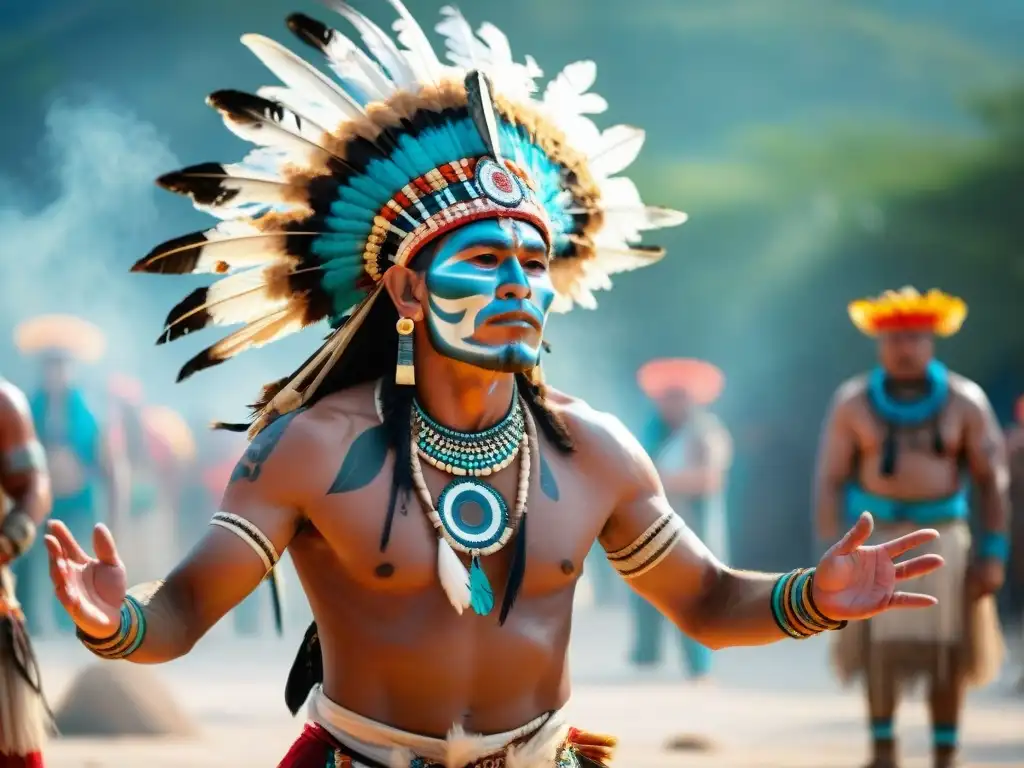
point(292, 136)
point(568, 92)
point(380, 45)
point(453, 576)
point(461, 748)
point(618, 148)
point(300, 75)
point(240, 298)
point(318, 112)
point(351, 64)
point(419, 49)
point(264, 330)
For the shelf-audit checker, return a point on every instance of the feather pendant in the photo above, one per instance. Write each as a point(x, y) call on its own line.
point(481, 595)
point(618, 148)
point(349, 63)
point(300, 75)
point(481, 109)
point(453, 576)
point(271, 125)
point(215, 185)
point(264, 330)
point(516, 572)
point(229, 246)
point(379, 44)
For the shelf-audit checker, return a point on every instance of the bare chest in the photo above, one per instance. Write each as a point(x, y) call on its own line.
point(941, 439)
point(397, 553)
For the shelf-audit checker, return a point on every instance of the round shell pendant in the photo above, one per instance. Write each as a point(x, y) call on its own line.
point(472, 538)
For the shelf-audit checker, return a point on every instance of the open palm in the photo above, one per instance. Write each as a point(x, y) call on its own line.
point(857, 581)
point(91, 589)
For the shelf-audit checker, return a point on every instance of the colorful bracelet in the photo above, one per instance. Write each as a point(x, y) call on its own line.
point(129, 635)
point(995, 545)
point(793, 606)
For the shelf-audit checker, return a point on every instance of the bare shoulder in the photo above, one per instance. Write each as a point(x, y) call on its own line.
point(850, 392)
point(968, 394)
point(604, 444)
point(291, 443)
point(12, 400)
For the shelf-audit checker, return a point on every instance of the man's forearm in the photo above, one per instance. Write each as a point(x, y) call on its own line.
point(736, 611)
point(167, 632)
point(994, 508)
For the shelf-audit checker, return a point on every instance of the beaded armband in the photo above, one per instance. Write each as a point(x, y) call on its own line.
point(649, 548)
point(247, 531)
point(793, 606)
point(127, 639)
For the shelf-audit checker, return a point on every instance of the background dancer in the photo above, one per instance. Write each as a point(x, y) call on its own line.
point(25, 504)
point(692, 450)
point(89, 478)
point(893, 445)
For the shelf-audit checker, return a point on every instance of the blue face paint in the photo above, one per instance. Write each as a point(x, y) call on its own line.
point(489, 295)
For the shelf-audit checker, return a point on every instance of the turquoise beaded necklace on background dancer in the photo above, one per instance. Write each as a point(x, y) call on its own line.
point(469, 456)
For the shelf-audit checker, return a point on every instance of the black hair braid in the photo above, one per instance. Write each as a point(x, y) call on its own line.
point(551, 425)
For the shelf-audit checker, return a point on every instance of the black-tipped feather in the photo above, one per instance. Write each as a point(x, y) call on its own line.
point(179, 256)
point(310, 31)
point(213, 185)
point(189, 315)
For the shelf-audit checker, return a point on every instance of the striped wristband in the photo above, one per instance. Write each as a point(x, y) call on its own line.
point(127, 639)
point(793, 607)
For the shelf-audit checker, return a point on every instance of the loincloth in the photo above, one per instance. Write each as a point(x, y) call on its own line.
point(24, 717)
point(957, 636)
point(340, 738)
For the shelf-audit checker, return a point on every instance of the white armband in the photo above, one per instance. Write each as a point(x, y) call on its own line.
point(649, 548)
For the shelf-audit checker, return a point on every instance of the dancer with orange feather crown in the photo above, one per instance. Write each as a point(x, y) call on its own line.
point(895, 444)
point(434, 215)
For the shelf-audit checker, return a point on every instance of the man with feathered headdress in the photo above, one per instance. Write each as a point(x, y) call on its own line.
point(692, 450)
point(83, 468)
point(436, 497)
point(903, 443)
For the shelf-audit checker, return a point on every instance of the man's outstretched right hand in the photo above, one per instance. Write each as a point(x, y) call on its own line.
point(91, 589)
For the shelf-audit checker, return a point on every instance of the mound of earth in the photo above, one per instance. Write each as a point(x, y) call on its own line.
point(118, 699)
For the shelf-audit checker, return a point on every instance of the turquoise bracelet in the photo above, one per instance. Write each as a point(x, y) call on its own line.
point(793, 608)
point(129, 635)
point(994, 546)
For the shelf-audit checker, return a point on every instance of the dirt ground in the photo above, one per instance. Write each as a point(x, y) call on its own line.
point(773, 706)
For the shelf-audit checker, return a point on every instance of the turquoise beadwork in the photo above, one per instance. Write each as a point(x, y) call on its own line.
point(470, 453)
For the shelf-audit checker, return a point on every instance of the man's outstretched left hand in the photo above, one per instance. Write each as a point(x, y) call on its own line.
point(856, 581)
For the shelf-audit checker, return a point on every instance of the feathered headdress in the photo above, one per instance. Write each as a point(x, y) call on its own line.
point(357, 173)
point(907, 310)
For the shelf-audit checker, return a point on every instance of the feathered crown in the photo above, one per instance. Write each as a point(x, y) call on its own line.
point(907, 310)
point(354, 175)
